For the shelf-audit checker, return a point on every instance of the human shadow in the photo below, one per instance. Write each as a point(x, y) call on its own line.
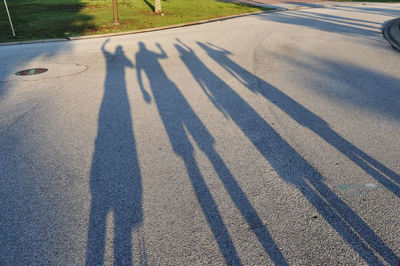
point(115, 177)
point(305, 117)
point(177, 117)
point(180, 120)
point(286, 161)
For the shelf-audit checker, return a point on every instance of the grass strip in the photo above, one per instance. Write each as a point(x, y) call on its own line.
point(45, 19)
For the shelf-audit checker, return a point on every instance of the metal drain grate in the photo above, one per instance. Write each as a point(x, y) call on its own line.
point(32, 71)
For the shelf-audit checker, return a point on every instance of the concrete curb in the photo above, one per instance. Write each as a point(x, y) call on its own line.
point(273, 9)
point(33, 41)
point(171, 26)
point(141, 31)
point(391, 31)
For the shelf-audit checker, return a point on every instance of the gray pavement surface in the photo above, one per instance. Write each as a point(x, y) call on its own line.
point(266, 139)
point(290, 4)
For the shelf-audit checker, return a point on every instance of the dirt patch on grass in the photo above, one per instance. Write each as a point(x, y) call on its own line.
point(110, 27)
point(151, 13)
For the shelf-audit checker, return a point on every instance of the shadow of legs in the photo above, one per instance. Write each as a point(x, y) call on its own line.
point(97, 231)
point(246, 209)
point(211, 212)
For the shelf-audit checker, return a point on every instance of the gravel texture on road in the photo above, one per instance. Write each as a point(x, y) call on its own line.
point(266, 139)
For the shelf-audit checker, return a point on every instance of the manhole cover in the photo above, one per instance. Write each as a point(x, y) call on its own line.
point(32, 71)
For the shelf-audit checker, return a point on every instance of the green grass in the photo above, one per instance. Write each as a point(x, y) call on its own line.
point(43, 19)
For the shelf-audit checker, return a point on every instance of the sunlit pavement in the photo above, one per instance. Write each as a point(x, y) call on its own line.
point(270, 138)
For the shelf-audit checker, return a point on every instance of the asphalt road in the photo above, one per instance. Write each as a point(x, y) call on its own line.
point(270, 138)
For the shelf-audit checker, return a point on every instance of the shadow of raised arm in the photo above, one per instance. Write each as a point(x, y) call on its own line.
point(103, 46)
point(163, 54)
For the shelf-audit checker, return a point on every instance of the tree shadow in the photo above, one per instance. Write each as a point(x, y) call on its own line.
point(246, 2)
point(330, 23)
point(180, 120)
point(393, 11)
point(31, 19)
point(287, 162)
point(30, 223)
point(308, 5)
point(344, 21)
point(115, 177)
point(150, 5)
point(14, 58)
point(360, 85)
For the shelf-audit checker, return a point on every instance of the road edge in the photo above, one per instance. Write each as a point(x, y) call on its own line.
point(391, 32)
point(141, 31)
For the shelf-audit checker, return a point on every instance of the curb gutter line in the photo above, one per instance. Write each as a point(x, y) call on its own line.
point(391, 32)
point(155, 29)
point(141, 31)
point(386, 30)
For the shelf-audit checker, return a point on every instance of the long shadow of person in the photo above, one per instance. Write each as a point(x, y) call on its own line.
point(287, 162)
point(178, 118)
point(115, 178)
point(305, 117)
